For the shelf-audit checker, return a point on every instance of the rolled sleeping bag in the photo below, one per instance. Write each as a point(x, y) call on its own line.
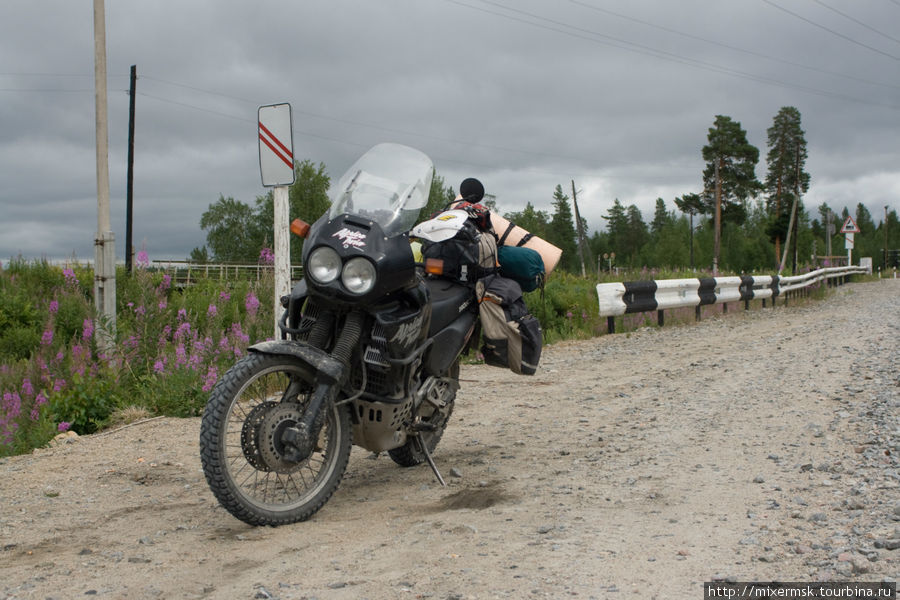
point(550, 254)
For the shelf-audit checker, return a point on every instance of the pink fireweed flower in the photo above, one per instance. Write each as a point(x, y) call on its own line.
point(88, 330)
point(47, 338)
point(209, 381)
point(162, 305)
point(71, 279)
point(39, 401)
point(54, 307)
point(239, 334)
point(182, 314)
point(12, 404)
point(251, 303)
point(159, 367)
point(166, 283)
point(266, 256)
point(224, 296)
point(63, 427)
point(213, 310)
point(140, 311)
point(180, 355)
point(142, 259)
point(27, 388)
point(59, 384)
point(183, 331)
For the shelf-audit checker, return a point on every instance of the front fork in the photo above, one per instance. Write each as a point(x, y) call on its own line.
point(300, 440)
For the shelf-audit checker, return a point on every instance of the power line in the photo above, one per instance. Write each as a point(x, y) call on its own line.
point(831, 31)
point(467, 143)
point(592, 36)
point(857, 21)
point(730, 47)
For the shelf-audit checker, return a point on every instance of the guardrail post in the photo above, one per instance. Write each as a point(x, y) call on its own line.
point(724, 308)
point(660, 318)
point(610, 324)
point(697, 313)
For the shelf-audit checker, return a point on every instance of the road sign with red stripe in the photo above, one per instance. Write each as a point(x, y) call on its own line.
point(850, 226)
point(276, 145)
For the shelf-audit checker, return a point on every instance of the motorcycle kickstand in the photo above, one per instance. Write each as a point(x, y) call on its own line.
point(424, 448)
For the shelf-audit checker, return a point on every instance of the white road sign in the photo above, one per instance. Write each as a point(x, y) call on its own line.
point(276, 145)
point(850, 226)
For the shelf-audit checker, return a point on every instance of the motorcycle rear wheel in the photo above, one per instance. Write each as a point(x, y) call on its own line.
point(241, 450)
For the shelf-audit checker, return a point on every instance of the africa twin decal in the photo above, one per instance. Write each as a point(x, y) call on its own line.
point(408, 332)
point(348, 238)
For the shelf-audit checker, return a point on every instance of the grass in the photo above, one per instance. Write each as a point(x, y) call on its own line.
point(173, 343)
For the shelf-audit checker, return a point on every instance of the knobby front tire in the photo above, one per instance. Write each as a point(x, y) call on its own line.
point(240, 443)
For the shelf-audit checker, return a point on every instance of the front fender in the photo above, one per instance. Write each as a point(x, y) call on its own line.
point(327, 367)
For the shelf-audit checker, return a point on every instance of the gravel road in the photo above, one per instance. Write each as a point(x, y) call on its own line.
point(757, 446)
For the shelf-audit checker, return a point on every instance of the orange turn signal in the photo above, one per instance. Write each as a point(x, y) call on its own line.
point(299, 227)
point(434, 266)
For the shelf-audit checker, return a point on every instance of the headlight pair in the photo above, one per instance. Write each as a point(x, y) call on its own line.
point(357, 275)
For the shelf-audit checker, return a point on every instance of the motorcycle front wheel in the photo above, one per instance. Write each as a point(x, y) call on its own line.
point(241, 448)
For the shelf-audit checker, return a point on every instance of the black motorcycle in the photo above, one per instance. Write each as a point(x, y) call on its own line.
point(369, 354)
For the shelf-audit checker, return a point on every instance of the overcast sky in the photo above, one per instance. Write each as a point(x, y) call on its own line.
point(523, 94)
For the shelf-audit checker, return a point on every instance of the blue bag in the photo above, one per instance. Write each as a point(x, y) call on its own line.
point(523, 265)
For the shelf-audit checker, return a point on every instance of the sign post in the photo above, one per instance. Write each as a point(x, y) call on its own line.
point(276, 165)
point(850, 227)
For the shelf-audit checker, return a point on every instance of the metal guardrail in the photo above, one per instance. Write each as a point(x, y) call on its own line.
point(186, 272)
point(642, 296)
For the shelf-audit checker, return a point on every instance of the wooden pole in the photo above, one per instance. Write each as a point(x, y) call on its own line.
point(129, 192)
point(282, 250)
point(104, 241)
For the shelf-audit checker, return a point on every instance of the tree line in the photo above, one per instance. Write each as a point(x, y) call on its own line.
point(736, 222)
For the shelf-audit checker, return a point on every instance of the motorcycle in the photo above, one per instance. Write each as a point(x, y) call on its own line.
point(369, 354)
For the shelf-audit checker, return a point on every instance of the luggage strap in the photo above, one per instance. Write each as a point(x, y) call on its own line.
point(502, 239)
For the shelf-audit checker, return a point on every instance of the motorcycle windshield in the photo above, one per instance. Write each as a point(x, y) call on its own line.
point(389, 185)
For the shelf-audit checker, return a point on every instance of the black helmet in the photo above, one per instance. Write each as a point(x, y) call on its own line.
point(471, 190)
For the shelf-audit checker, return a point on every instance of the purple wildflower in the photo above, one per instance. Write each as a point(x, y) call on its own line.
point(64, 426)
point(142, 259)
point(47, 338)
point(54, 307)
point(251, 303)
point(213, 310)
point(159, 367)
point(71, 279)
point(266, 256)
point(210, 381)
point(224, 296)
point(88, 330)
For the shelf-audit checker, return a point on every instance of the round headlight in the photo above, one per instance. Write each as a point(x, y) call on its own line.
point(324, 264)
point(358, 275)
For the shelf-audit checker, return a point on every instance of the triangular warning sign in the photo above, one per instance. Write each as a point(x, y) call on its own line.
point(850, 226)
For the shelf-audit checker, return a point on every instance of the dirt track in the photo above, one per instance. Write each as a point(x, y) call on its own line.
point(760, 446)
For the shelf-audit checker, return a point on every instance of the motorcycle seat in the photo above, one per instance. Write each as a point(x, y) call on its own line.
point(448, 301)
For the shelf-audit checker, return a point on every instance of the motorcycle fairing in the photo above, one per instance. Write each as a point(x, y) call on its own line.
point(352, 235)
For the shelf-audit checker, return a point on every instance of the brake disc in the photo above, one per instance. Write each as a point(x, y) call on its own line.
point(271, 446)
point(250, 435)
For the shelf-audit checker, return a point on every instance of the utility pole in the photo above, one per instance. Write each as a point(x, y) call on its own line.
point(718, 219)
point(579, 229)
point(797, 221)
point(829, 231)
point(129, 193)
point(105, 240)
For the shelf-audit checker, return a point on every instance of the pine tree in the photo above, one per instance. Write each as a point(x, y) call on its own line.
point(786, 178)
point(729, 178)
point(561, 231)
